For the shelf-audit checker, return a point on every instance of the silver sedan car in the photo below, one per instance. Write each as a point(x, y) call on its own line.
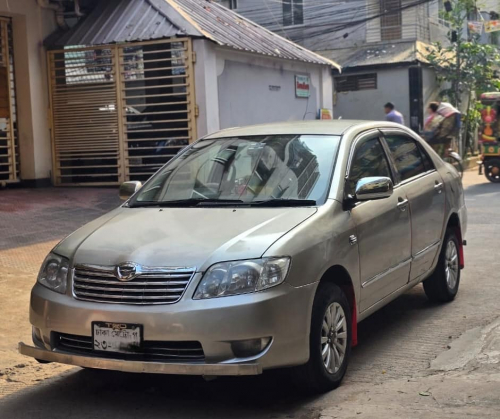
point(255, 248)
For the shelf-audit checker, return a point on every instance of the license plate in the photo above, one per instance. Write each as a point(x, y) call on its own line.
point(116, 337)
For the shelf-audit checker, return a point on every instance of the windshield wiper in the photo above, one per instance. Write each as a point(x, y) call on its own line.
point(192, 202)
point(280, 202)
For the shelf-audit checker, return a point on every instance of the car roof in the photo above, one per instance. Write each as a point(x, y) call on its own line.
point(318, 127)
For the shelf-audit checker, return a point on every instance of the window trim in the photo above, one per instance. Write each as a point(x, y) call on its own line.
point(385, 35)
point(384, 133)
point(230, 4)
point(338, 83)
point(366, 136)
point(426, 154)
point(292, 15)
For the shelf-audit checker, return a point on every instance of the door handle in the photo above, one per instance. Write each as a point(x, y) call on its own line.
point(438, 187)
point(402, 204)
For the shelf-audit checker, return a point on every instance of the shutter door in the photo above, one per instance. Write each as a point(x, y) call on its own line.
point(85, 117)
point(157, 104)
point(120, 111)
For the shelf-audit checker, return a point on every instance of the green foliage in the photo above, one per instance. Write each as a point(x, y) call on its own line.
point(465, 67)
point(472, 119)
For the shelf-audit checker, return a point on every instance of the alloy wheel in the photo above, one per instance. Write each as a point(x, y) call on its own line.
point(451, 264)
point(334, 338)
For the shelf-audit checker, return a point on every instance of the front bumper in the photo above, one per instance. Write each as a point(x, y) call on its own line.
point(281, 313)
point(140, 366)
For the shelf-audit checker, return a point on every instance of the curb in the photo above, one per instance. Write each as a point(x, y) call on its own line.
point(471, 163)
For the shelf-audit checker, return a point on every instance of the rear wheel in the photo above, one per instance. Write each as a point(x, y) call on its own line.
point(442, 285)
point(329, 342)
point(492, 170)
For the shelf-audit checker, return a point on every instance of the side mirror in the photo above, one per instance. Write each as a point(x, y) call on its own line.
point(127, 189)
point(377, 187)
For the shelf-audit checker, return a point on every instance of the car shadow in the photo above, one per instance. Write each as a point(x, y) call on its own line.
point(107, 394)
point(482, 188)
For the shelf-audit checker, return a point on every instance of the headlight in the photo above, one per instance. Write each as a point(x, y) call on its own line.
point(54, 273)
point(242, 277)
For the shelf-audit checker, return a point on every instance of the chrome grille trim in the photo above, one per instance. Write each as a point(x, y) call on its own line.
point(153, 285)
point(150, 350)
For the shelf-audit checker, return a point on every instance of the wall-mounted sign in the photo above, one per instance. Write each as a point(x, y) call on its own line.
point(274, 88)
point(302, 86)
point(476, 27)
point(492, 25)
point(325, 114)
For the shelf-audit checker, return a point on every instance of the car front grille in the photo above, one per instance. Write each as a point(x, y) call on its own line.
point(150, 286)
point(189, 351)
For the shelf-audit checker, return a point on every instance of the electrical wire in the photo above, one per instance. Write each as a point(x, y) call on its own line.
point(331, 17)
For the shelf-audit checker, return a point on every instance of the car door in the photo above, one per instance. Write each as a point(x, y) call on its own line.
point(382, 226)
point(426, 194)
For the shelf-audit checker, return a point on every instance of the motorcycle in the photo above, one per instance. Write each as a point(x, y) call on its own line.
point(490, 136)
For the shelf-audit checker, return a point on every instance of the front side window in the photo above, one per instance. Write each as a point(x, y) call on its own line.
point(406, 156)
point(293, 12)
point(369, 160)
point(246, 170)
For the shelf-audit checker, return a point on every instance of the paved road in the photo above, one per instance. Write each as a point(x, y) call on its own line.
point(389, 375)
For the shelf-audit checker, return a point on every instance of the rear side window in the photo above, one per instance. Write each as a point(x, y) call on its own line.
point(406, 155)
point(369, 160)
point(429, 165)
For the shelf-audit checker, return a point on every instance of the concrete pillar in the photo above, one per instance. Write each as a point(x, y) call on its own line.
point(206, 87)
point(31, 25)
point(326, 91)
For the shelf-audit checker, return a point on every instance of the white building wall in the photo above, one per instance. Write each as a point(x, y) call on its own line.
point(205, 83)
point(245, 89)
point(31, 25)
point(431, 87)
point(392, 86)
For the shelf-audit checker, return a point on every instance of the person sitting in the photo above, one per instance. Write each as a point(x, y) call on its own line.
point(441, 126)
point(432, 122)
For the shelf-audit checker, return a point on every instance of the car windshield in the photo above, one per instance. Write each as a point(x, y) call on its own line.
point(278, 169)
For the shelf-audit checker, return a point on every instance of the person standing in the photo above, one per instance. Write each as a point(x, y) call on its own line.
point(392, 115)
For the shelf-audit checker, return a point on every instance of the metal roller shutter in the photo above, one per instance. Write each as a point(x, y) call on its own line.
point(120, 111)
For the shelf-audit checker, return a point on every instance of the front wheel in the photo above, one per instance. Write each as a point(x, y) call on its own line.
point(329, 342)
point(492, 170)
point(442, 285)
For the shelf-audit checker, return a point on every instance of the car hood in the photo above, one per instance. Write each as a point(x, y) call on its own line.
point(180, 237)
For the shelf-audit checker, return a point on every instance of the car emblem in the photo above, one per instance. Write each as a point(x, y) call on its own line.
point(127, 271)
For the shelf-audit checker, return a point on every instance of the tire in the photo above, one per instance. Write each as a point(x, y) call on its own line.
point(314, 377)
point(442, 285)
point(492, 170)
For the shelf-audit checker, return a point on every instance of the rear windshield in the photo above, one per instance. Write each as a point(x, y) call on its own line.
point(247, 169)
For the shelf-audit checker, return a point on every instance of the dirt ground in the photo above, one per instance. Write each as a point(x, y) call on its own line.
point(414, 359)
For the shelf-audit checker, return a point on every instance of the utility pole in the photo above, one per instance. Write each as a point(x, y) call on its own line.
point(457, 88)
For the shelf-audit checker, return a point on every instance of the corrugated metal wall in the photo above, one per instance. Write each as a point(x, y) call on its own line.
point(120, 112)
